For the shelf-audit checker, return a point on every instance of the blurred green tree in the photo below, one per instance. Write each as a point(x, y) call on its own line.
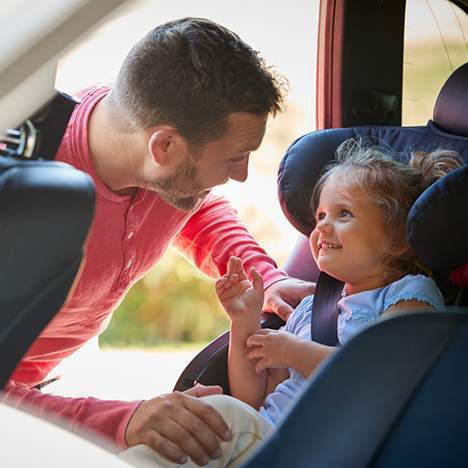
point(174, 303)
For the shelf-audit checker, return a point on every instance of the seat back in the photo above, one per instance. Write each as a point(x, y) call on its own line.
point(46, 209)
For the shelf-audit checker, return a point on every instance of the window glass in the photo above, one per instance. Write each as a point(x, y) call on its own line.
point(436, 43)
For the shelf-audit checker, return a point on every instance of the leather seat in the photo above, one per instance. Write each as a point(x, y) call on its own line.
point(46, 209)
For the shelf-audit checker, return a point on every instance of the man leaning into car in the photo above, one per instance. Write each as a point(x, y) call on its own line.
point(189, 105)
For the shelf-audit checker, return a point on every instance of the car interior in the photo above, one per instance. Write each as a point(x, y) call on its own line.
point(411, 411)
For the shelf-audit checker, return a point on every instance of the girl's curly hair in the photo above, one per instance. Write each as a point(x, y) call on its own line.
point(391, 185)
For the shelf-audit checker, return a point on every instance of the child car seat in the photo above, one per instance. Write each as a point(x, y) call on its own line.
point(446, 199)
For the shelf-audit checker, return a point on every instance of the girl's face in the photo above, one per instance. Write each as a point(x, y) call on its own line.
point(349, 241)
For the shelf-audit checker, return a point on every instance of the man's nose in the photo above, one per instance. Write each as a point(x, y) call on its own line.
point(241, 172)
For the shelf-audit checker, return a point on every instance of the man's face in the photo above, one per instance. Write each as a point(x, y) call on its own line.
point(213, 164)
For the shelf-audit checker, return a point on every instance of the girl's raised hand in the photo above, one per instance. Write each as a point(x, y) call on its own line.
point(238, 294)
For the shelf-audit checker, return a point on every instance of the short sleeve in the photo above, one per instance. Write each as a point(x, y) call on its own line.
point(414, 288)
point(299, 320)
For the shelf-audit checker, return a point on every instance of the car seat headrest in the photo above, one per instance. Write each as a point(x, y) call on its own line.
point(451, 108)
point(438, 222)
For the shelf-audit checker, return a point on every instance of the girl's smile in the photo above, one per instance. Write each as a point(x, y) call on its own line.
point(325, 245)
point(350, 241)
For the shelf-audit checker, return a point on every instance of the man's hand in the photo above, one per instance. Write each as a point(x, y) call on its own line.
point(178, 425)
point(271, 349)
point(284, 295)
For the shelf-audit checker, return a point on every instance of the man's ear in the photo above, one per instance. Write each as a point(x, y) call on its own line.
point(166, 146)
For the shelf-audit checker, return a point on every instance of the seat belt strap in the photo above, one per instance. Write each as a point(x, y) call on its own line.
point(324, 321)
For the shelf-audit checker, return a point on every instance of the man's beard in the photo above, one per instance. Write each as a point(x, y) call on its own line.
point(183, 190)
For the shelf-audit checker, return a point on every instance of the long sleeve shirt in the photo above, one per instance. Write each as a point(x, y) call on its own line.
point(128, 236)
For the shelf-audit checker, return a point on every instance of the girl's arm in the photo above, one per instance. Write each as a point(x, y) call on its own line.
point(406, 306)
point(242, 299)
point(281, 349)
point(245, 384)
point(305, 356)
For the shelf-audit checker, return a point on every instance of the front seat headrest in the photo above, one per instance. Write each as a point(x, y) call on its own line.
point(451, 108)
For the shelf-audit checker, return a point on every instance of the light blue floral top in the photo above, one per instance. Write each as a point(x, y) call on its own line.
point(356, 312)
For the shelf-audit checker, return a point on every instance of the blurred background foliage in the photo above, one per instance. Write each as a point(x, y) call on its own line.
point(174, 303)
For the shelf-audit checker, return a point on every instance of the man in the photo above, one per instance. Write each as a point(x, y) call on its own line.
point(189, 105)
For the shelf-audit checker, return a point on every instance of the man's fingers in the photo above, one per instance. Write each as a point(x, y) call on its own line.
point(178, 423)
point(192, 426)
point(210, 416)
point(177, 440)
point(201, 390)
point(282, 308)
point(166, 448)
point(190, 432)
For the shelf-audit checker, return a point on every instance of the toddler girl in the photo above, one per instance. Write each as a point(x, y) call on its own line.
point(360, 205)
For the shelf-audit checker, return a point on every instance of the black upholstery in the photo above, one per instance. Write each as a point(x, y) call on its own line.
point(439, 217)
point(45, 213)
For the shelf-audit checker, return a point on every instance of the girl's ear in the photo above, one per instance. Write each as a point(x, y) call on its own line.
point(167, 146)
point(401, 249)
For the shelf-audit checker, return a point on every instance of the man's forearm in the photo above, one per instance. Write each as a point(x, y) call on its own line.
point(107, 418)
point(214, 233)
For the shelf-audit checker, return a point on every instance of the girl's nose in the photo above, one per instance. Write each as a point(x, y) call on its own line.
point(324, 225)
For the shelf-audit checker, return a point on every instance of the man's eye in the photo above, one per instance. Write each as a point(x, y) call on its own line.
point(240, 159)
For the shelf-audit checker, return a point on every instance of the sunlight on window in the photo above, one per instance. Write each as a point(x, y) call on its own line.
point(436, 43)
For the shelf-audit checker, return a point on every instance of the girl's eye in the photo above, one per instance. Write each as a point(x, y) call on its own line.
point(320, 216)
point(345, 213)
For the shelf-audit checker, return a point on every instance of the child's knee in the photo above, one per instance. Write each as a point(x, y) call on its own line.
point(239, 416)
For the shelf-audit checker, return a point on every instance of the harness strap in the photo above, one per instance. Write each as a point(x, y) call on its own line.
point(324, 321)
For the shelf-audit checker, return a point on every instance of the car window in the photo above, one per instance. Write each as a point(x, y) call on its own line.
point(436, 43)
